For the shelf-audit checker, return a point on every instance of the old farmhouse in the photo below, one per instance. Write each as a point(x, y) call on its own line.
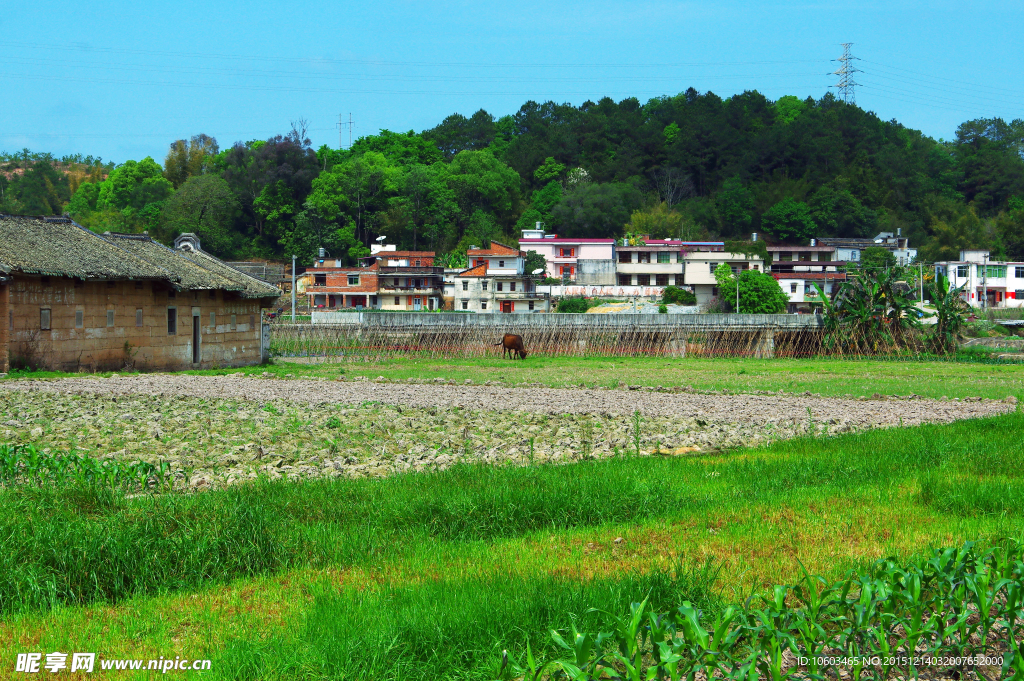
point(72, 299)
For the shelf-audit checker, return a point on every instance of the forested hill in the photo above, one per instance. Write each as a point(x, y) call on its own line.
point(693, 165)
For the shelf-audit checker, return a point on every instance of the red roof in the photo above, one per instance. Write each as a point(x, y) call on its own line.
point(567, 241)
point(478, 271)
point(495, 249)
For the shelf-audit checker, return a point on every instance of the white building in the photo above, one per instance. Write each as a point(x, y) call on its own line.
point(496, 282)
point(851, 250)
point(986, 283)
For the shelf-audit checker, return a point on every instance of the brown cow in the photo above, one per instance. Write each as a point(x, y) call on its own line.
point(513, 345)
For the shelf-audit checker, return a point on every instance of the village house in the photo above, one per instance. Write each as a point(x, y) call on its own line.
point(496, 282)
point(986, 283)
point(71, 299)
point(387, 279)
point(851, 250)
point(582, 261)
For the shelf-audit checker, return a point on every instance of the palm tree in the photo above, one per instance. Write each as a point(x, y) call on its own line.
point(949, 315)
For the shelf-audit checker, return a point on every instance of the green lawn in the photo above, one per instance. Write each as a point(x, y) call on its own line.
point(432, 575)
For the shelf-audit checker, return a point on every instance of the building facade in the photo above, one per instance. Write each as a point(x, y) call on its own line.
point(71, 299)
point(987, 284)
point(582, 261)
point(496, 282)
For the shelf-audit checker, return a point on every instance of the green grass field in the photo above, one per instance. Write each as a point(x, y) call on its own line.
point(432, 575)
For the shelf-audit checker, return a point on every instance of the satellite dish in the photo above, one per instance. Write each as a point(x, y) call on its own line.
point(538, 271)
point(381, 238)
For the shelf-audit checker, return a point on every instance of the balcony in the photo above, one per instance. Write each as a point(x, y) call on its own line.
point(519, 295)
point(649, 268)
point(410, 290)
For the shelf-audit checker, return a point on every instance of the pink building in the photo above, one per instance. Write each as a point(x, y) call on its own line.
point(583, 261)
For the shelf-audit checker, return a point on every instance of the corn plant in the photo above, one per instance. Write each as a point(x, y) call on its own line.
point(26, 465)
point(955, 610)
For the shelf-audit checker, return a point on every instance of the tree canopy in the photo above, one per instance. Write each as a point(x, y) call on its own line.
point(693, 165)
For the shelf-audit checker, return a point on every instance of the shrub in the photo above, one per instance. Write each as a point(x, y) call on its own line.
point(573, 305)
point(663, 309)
point(673, 295)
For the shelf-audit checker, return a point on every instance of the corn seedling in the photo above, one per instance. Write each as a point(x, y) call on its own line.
point(26, 465)
point(888, 620)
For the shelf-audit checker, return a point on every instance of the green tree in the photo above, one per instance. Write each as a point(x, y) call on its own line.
point(187, 158)
point(549, 171)
point(596, 210)
point(535, 261)
point(735, 205)
point(789, 108)
point(877, 258)
point(789, 220)
point(206, 206)
point(117, 190)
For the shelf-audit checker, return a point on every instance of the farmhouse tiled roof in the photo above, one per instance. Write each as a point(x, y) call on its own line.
point(61, 248)
point(251, 286)
point(190, 275)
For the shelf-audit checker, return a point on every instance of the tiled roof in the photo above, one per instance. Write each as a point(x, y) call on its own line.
point(251, 286)
point(831, 276)
point(560, 240)
point(478, 271)
point(495, 249)
point(190, 275)
point(61, 248)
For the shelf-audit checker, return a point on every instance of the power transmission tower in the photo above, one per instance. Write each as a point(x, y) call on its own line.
point(342, 124)
point(845, 72)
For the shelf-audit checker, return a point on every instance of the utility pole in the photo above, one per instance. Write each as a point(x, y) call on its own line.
point(920, 283)
point(293, 289)
point(737, 292)
point(984, 282)
point(845, 72)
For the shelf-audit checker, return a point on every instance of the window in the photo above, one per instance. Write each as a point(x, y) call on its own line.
point(234, 322)
point(465, 304)
point(961, 271)
point(661, 280)
point(1019, 294)
point(643, 280)
point(825, 257)
point(483, 285)
point(664, 257)
point(79, 319)
point(500, 286)
point(531, 305)
point(805, 257)
point(319, 280)
point(993, 271)
point(1018, 272)
point(625, 257)
point(785, 256)
point(44, 319)
point(397, 300)
point(252, 321)
point(714, 291)
point(512, 286)
point(417, 263)
point(172, 293)
point(792, 288)
point(110, 318)
point(712, 266)
point(756, 267)
point(138, 316)
point(213, 319)
point(172, 321)
point(566, 252)
point(643, 256)
point(213, 295)
point(809, 289)
point(353, 280)
point(625, 280)
point(483, 305)
point(501, 263)
point(465, 286)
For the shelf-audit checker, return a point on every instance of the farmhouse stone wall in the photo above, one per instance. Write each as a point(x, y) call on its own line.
point(5, 323)
point(82, 333)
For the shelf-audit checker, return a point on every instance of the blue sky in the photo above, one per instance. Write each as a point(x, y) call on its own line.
point(123, 79)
